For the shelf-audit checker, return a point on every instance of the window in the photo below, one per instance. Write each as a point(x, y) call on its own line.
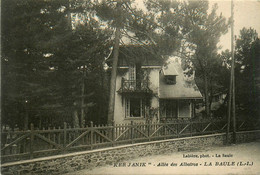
point(170, 79)
point(184, 109)
point(135, 107)
point(171, 109)
point(135, 72)
point(132, 72)
point(132, 77)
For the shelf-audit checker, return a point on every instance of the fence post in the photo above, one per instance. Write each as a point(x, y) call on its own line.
point(148, 130)
point(91, 135)
point(190, 128)
point(113, 133)
point(31, 141)
point(178, 135)
point(59, 136)
point(132, 131)
point(164, 133)
point(64, 136)
point(49, 136)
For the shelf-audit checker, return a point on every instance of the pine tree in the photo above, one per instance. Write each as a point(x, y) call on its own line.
point(43, 56)
point(202, 33)
point(247, 73)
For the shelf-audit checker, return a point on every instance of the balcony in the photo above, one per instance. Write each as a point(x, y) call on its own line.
point(134, 86)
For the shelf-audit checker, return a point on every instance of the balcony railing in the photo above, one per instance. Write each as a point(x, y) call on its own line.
point(134, 86)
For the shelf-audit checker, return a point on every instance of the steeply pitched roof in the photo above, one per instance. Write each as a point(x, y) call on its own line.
point(170, 70)
point(145, 55)
point(183, 89)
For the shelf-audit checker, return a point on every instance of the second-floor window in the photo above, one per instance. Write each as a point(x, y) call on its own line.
point(135, 72)
point(132, 72)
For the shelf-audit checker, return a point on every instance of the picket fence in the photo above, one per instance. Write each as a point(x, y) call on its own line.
point(33, 143)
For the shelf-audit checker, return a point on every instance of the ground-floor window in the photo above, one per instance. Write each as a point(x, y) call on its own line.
point(135, 107)
point(169, 108)
point(184, 108)
point(175, 108)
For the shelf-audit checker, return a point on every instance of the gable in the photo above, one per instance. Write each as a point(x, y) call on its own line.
point(182, 89)
point(136, 54)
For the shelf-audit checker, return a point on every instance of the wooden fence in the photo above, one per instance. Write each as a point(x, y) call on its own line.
point(21, 145)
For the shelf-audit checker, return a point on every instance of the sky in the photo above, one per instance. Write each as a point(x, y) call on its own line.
point(246, 14)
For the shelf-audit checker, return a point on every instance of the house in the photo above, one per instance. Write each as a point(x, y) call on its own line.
point(145, 89)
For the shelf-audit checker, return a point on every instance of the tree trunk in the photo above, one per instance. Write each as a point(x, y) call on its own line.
point(82, 116)
point(210, 97)
point(206, 95)
point(75, 119)
point(110, 117)
point(113, 78)
point(26, 120)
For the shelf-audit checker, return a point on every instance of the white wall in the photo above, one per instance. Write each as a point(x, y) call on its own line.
point(154, 86)
point(119, 110)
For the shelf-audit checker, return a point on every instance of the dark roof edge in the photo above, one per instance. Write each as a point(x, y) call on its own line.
point(181, 98)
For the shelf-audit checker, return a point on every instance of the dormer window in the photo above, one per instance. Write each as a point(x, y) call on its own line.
point(170, 79)
point(170, 74)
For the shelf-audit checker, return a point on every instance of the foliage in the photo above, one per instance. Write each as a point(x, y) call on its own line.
point(54, 53)
point(42, 62)
point(139, 28)
point(247, 72)
point(202, 31)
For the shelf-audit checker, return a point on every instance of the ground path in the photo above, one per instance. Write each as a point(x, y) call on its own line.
point(235, 159)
